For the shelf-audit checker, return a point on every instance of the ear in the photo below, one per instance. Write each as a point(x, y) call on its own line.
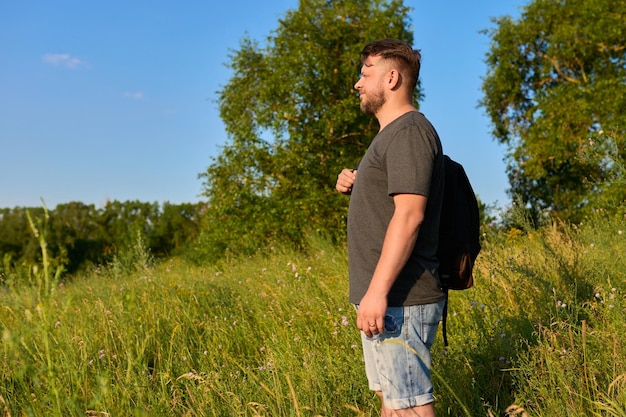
point(394, 79)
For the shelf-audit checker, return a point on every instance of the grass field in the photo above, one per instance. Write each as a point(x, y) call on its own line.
point(542, 333)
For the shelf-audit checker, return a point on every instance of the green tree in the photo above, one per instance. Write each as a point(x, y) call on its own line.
point(17, 244)
point(177, 226)
point(293, 121)
point(79, 235)
point(556, 75)
point(13, 233)
point(74, 236)
point(120, 222)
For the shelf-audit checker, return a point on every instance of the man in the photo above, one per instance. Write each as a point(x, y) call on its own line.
point(393, 221)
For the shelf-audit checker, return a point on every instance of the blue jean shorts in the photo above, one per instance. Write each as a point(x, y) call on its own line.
point(398, 361)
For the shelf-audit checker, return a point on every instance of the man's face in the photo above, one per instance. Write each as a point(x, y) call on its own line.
point(370, 85)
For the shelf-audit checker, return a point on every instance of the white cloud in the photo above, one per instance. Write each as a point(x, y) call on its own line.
point(65, 60)
point(135, 95)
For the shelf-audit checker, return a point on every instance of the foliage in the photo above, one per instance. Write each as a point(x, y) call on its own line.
point(81, 235)
point(606, 191)
point(556, 75)
point(274, 335)
point(293, 120)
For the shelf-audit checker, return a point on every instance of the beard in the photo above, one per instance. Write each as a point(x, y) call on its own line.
point(373, 103)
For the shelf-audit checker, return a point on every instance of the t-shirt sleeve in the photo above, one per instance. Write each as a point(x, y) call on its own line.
point(409, 160)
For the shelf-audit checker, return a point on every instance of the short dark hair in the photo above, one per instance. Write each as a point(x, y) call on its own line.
point(403, 55)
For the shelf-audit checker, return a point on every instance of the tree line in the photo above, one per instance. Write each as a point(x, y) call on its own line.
point(80, 235)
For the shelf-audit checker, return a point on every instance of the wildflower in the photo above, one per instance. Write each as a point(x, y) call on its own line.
point(597, 295)
point(620, 232)
point(354, 347)
point(102, 354)
point(344, 321)
point(57, 324)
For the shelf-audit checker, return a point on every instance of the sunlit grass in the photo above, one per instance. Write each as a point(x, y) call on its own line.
point(274, 335)
point(264, 336)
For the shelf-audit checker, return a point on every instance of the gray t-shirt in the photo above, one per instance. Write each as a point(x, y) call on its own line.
point(404, 158)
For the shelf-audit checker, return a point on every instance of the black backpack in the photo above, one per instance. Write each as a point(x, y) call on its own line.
point(459, 234)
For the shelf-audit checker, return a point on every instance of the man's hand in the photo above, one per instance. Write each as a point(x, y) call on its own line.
point(370, 317)
point(345, 181)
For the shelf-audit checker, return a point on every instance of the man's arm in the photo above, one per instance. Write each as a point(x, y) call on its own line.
point(397, 247)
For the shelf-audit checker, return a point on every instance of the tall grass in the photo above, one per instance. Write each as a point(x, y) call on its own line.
point(266, 336)
point(544, 329)
point(273, 335)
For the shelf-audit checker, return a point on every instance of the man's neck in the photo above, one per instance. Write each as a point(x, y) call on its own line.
point(388, 115)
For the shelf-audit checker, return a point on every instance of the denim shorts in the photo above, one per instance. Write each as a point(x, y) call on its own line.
point(398, 361)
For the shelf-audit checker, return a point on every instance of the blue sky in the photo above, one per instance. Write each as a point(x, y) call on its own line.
point(116, 100)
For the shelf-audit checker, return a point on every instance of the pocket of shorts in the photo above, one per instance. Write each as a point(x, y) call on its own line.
point(390, 325)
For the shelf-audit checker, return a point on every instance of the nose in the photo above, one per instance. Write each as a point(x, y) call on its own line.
point(357, 84)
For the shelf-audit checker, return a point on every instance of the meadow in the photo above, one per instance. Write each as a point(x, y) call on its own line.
point(542, 333)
